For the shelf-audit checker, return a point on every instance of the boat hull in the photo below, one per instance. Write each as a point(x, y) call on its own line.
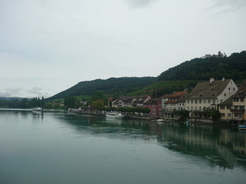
point(114, 115)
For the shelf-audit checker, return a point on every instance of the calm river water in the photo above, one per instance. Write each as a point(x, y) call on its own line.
point(58, 147)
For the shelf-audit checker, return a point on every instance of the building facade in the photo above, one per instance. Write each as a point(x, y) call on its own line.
point(234, 108)
point(207, 95)
point(173, 103)
point(155, 107)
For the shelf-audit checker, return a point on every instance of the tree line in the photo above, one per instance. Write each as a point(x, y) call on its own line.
point(24, 103)
point(121, 85)
point(232, 67)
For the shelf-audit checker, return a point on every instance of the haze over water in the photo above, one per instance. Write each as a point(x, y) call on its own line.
point(58, 147)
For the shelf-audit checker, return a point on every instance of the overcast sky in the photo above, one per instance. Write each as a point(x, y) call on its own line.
point(47, 46)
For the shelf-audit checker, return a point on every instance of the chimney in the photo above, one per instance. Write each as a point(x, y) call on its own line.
point(211, 80)
point(223, 78)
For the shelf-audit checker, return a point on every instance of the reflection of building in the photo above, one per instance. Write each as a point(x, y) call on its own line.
point(217, 146)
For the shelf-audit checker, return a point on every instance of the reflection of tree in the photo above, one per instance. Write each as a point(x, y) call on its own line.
point(112, 128)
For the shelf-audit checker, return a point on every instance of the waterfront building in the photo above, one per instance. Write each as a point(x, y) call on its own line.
point(234, 108)
point(155, 107)
point(173, 103)
point(207, 95)
point(131, 101)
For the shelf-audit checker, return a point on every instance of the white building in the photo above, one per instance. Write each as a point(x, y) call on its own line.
point(206, 95)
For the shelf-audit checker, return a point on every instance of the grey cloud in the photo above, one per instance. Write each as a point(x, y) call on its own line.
point(228, 5)
point(37, 92)
point(233, 3)
point(18, 92)
point(11, 92)
point(140, 3)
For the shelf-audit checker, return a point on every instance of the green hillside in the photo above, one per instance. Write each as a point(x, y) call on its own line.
point(232, 67)
point(165, 87)
point(110, 86)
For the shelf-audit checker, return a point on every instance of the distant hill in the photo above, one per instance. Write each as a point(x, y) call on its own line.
point(121, 85)
point(183, 76)
point(217, 66)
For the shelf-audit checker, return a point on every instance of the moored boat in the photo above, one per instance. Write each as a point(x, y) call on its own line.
point(114, 115)
point(160, 121)
point(37, 109)
point(242, 127)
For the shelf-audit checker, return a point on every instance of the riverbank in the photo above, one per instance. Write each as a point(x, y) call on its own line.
point(192, 121)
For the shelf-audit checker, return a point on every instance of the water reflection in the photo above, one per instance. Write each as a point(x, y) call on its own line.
point(223, 147)
point(16, 113)
point(36, 115)
point(217, 146)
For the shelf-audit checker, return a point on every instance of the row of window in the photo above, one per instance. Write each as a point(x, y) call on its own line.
point(225, 107)
point(236, 115)
point(238, 107)
point(196, 108)
point(238, 99)
point(201, 101)
point(234, 107)
point(228, 115)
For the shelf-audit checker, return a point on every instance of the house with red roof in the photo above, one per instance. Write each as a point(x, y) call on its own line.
point(155, 107)
point(173, 103)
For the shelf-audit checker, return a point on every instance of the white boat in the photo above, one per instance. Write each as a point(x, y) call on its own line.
point(114, 115)
point(160, 121)
point(37, 109)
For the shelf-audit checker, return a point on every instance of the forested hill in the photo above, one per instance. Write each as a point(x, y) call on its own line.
point(232, 67)
point(111, 86)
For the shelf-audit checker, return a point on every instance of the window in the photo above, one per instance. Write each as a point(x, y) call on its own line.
point(191, 108)
point(191, 101)
point(188, 108)
point(242, 99)
point(188, 101)
point(196, 108)
point(229, 115)
point(228, 107)
point(235, 99)
point(204, 101)
point(222, 107)
point(200, 101)
point(196, 101)
point(213, 101)
point(208, 100)
point(224, 94)
point(222, 114)
point(200, 108)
